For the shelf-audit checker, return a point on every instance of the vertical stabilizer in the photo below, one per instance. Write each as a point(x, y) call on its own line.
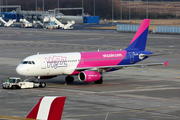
point(48, 108)
point(138, 43)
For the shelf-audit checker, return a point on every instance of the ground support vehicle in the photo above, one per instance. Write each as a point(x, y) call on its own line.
point(15, 83)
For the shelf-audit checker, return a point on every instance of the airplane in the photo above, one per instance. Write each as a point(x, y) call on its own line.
point(48, 108)
point(89, 66)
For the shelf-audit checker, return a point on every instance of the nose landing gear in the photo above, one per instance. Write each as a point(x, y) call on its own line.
point(42, 84)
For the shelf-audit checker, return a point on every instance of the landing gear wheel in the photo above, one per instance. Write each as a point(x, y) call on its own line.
point(69, 79)
point(42, 84)
point(99, 81)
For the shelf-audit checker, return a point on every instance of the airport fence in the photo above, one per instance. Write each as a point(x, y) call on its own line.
point(159, 29)
point(128, 28)
point(167, 29)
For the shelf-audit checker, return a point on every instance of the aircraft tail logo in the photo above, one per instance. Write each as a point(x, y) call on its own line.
point(138, 43)
point(48, 108)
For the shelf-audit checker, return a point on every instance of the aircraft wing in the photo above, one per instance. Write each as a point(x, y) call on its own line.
point(118, 66)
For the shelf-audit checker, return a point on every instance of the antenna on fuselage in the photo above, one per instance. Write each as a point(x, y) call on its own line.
point(98, 50)
point(38, 53)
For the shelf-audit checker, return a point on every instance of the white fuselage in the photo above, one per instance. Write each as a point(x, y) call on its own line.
point(49, 64)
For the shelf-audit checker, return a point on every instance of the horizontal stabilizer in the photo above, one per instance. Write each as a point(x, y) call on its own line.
point(151, 55)
point(166, 63)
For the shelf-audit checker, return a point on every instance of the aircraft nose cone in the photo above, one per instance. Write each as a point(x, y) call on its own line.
point(19, 70)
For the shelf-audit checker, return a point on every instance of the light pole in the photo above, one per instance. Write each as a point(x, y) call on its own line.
point(43, 6)
point(36, 5)
point(0, 8)
point(146, 9)
point(94, 7)
point(58, 6)
point(2, 5)
point(82, 9)
point(129, 11)
point(112, 12)
point(6, 5)
point(43, 13)
point(121, 11)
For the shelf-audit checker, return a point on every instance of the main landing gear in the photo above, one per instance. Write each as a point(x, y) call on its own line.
point(69, 79)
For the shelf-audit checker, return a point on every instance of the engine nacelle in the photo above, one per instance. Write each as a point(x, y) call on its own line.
point(89, 76)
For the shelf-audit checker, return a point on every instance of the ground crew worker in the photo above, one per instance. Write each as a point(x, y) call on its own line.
point(8, 79)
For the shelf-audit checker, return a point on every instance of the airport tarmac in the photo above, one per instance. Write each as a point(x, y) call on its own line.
point(148, 93)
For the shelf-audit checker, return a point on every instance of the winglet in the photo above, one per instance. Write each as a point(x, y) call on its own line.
point(166, 63)
point(48, 108)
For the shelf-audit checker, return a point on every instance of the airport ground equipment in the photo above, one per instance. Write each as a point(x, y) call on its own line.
point(15, 83)
point(38, 23)
point(25, 23)
point(91, 19)
point(58, 24)
point(2, 21)
point(52, 25)
point(7, 24)
point(69, 24)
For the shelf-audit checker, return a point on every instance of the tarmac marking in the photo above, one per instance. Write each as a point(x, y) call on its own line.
point(52, 86)
point(107, 84)
point(12, 92)
point(14, 118)
point(130, 111)
point(96, 94)
point(165, 72)
point(156, 86)
point(138, 90)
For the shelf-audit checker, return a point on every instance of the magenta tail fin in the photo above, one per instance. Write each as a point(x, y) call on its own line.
point(138, 42)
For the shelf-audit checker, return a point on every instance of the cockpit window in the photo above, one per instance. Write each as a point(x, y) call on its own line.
point(27, 62)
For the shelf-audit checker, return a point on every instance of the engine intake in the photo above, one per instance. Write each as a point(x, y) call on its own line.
point(89, 76)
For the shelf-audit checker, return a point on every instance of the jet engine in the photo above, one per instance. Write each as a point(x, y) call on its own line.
point(89, 76)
